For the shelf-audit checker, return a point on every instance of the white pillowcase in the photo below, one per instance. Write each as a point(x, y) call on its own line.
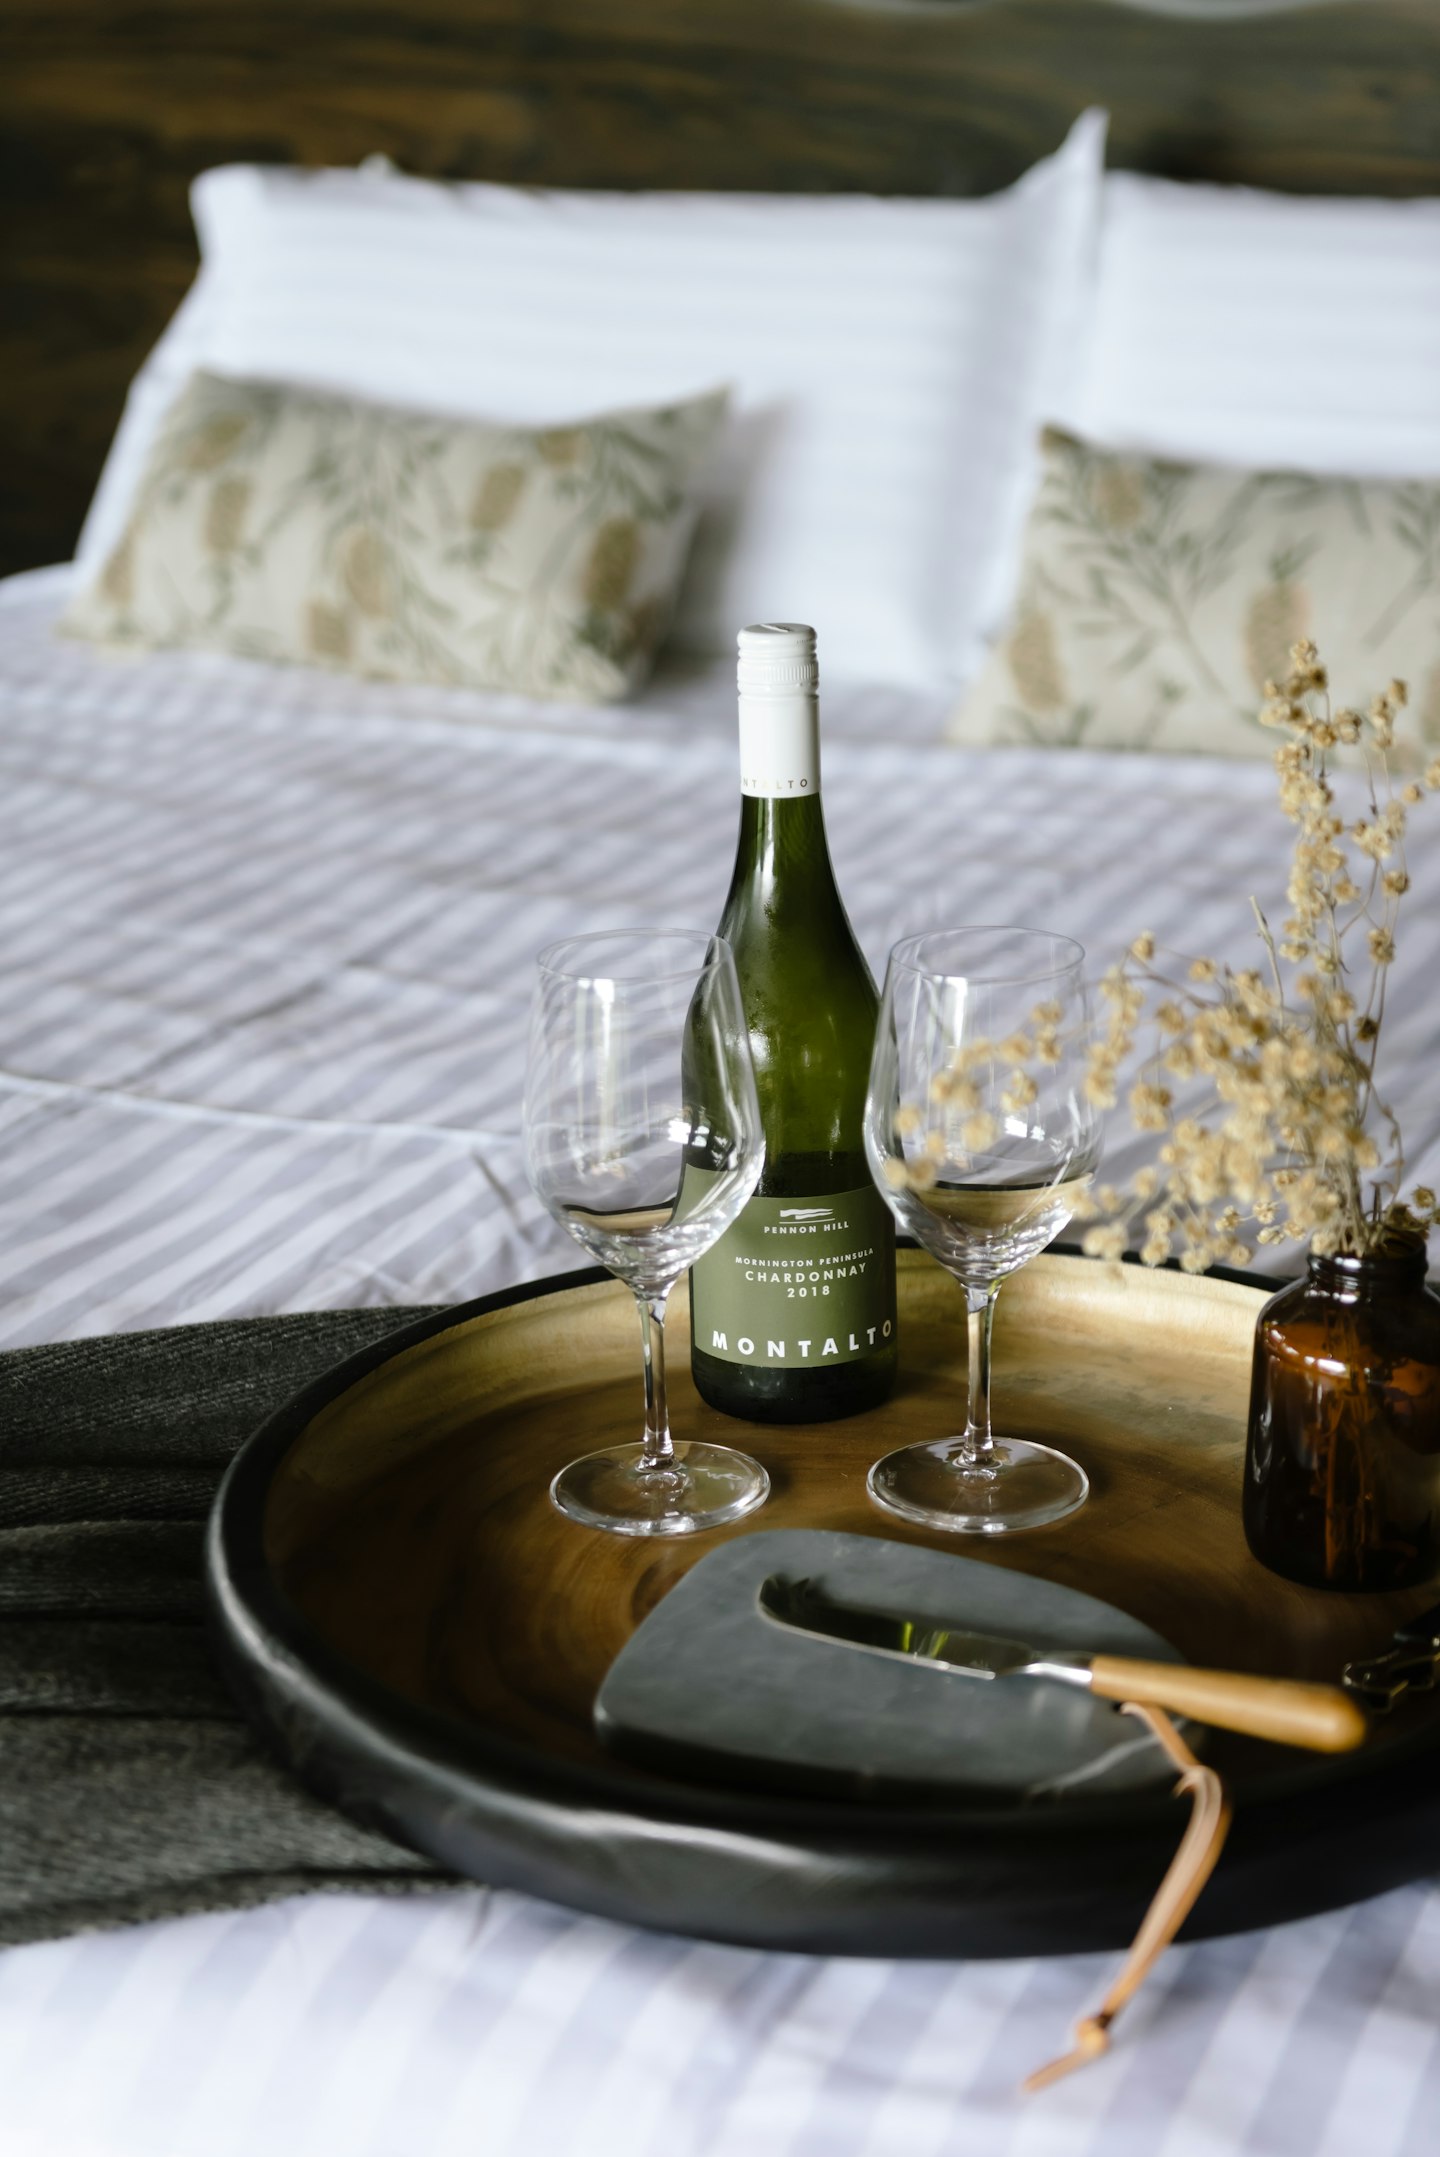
point(1271, 331)
point(891, 362)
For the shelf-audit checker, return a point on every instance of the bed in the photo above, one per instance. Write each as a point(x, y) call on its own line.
point(265, 939)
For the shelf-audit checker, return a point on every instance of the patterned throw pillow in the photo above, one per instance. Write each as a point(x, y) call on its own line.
point(284, 524)
point(1157, 599)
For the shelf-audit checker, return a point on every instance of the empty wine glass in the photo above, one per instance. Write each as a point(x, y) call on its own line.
point(978, 1131)
point(643, 1136)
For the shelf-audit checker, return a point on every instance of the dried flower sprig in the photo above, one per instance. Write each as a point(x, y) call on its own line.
point(957, 1124)
point(1262, 1083)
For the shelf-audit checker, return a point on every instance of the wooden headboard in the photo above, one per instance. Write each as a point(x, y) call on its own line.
point(109, 109)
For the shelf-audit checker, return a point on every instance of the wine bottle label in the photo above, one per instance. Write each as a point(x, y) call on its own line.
point(779, 746)
point(798, 1284)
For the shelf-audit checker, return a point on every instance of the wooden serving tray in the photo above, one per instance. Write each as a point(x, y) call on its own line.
point(423, 1636)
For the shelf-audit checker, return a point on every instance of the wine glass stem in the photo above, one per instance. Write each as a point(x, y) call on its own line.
point(659, 1447)
point(979, 1319)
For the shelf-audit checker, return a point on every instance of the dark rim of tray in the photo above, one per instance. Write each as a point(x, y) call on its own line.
point(862, 1877)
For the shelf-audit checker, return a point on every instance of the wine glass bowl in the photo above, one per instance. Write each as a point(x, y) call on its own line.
point(979, 1132)
point(643, 1138)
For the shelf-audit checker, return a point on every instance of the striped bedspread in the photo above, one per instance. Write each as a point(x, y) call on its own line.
point(265, 941)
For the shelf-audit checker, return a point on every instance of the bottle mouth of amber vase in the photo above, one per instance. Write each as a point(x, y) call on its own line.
point(1400, 1259)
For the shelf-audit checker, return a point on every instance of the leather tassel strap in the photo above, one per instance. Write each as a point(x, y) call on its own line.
point(1190, 1868)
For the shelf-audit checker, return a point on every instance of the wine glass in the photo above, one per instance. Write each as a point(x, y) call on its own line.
point(978, 1131)
point(643, 1136)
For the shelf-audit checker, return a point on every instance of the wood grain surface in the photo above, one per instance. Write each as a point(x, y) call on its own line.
point(108, 110)
point(411, 1524)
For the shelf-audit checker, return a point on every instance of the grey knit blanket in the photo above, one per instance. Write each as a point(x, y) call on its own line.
point(130, 1787)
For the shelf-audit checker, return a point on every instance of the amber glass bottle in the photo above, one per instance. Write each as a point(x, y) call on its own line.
point(1342, 1466)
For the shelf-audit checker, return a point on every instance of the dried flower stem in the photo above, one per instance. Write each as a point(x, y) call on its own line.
point(1280, 1074)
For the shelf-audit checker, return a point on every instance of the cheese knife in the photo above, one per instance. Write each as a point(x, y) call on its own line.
point(1320, 1717)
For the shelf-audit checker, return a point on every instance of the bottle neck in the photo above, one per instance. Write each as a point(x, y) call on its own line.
point(783, 844)
point(1399, 1263)
point(780, 747)
point(783, 858)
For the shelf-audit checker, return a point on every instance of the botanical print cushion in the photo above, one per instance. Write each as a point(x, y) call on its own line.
point(1157, 599)
point(284, 524)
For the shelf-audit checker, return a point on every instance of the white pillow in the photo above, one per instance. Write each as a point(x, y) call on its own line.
point(1270, 331)
point(890, 362)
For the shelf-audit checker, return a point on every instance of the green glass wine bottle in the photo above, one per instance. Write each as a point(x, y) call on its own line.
point(793, 1310)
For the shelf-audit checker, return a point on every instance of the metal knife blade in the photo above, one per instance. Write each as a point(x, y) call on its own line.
point(801, 1607)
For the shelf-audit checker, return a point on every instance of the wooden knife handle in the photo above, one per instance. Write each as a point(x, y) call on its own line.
point(1318, 1716)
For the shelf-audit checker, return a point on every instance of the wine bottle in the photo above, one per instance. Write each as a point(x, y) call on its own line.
point(792, 1312)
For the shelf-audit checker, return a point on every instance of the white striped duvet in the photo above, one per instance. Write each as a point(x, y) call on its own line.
point(264, 951)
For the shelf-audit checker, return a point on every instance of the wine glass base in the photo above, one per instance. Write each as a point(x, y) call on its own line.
point(1021, 1485)
point(706, 1486)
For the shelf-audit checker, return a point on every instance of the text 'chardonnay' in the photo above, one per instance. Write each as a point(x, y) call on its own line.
point(792, 1312)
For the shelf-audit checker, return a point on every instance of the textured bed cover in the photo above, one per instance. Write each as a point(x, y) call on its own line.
point(265, 941)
